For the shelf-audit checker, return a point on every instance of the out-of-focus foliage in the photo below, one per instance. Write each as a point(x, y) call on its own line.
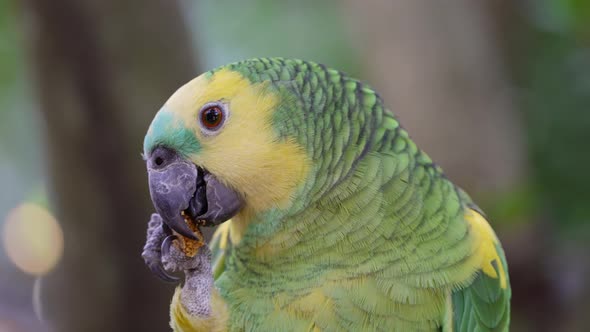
point(20, 161)
point(10, 55)
point(308, 29)
point(554, 72)
point(567, 16)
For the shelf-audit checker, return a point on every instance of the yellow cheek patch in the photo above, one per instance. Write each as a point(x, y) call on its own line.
point(245, 153)
point(486, 241)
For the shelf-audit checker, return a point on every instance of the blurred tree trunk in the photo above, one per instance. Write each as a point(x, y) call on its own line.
point(438, 66)
point(102, 69)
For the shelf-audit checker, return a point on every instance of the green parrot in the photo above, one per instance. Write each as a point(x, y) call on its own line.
point(330, 217)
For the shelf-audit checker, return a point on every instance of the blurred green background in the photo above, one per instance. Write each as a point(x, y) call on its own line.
point(497, 92)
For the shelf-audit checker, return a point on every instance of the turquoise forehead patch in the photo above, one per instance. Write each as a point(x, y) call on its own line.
point(168, 130)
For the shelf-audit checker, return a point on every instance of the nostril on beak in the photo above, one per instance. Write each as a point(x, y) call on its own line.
point(162, 157)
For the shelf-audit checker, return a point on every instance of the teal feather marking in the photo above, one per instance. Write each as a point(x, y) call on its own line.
point(167, 130)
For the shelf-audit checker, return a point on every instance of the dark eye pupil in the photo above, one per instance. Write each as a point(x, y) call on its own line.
point(211, 117)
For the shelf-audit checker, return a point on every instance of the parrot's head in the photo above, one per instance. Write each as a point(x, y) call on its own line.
point(214, 151)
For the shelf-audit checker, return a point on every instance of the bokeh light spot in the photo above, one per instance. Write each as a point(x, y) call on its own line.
point(33, 239)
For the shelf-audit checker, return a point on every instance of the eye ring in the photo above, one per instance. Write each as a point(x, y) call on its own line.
point(212, 117)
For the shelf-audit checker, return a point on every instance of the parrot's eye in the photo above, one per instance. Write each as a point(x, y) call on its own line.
point(212, 117)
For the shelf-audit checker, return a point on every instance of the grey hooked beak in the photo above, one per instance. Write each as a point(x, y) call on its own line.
point(178, 187)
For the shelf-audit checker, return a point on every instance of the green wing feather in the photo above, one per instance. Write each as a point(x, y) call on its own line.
point(484, 305)
point(220, 247)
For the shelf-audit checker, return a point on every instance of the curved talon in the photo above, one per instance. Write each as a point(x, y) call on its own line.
point(165, 249)
point(159, 271)
point(152, 251)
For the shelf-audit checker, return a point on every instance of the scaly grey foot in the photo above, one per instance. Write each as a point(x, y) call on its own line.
point(162, 254)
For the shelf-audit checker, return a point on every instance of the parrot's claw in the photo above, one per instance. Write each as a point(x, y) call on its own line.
point(162, 253)
point(159, 271)
point(174, 259)
point(157, 233)
point(167, 243)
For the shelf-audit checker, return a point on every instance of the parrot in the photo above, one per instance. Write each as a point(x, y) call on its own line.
point(328, 216)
